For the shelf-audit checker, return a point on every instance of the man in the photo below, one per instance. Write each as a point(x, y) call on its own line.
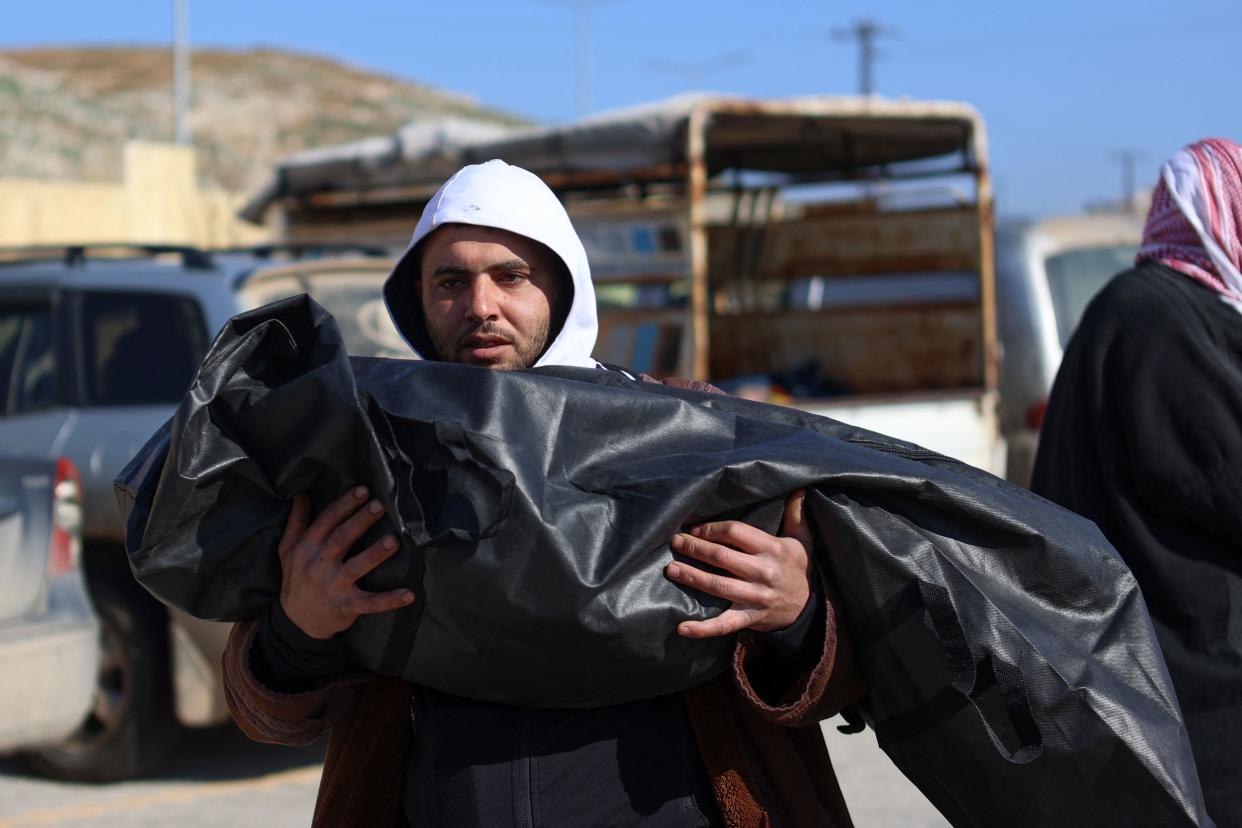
point(496, 277)
point(1142, 437)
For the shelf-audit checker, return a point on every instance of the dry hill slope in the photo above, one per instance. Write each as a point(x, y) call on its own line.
point(65, 112)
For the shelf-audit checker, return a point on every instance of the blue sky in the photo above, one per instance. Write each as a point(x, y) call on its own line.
point(1062, 85)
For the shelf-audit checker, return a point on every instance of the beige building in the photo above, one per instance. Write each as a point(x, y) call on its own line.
point(157, 200)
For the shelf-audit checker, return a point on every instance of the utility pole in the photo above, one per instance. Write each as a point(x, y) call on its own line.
point(181, 72)
point(582, 50)
point(865, 31)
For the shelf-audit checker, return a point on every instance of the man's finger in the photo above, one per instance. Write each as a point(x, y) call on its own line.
point(366, 560)
point(740, 536)
point(370, 603)
point(728, 622)
point(343, 537)
point(730, 589)
point(335, 513)
point(720, 556)
point(795, 524)
point(295, 526)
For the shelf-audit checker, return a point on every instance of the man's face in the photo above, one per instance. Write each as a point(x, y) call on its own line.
point(488, 295)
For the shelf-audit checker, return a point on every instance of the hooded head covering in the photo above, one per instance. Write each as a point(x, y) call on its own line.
point(510, 198)
point(1196, 217)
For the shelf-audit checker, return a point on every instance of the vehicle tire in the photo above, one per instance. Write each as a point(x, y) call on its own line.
point(131, 726)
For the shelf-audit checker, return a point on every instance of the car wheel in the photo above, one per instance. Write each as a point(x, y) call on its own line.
point(131, 725)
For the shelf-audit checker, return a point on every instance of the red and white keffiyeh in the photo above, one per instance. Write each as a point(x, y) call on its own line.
point(1196, 217)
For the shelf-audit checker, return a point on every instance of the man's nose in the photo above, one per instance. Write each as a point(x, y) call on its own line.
point(482, 300)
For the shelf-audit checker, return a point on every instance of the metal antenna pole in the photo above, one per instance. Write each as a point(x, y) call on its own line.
point(1129, 159)
point(582, 52)
point(181, 72)
point(582, 73)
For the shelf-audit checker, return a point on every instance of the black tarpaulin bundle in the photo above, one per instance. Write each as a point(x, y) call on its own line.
point(1012, 669)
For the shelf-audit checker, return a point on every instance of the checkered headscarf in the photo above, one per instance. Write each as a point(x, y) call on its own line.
point(1195, 222)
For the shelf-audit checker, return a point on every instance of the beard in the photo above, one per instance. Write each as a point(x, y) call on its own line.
point(524, 352)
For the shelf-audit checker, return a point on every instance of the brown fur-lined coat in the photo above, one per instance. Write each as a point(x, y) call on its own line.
point(766, 759)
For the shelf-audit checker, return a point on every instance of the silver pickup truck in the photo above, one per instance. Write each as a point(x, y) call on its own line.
point(97, 347)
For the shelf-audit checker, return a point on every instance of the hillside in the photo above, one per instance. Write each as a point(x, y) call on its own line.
point(66, 112)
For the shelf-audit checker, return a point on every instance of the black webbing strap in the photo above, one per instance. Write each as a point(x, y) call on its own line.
point(970, 679)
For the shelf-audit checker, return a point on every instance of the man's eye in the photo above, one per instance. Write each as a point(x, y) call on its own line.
point(511, 277)
point(450, 284)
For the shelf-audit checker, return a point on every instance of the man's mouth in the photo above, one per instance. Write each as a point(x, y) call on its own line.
point(485, 346)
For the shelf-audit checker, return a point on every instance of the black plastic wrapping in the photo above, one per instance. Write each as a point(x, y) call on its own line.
point(1011, 666)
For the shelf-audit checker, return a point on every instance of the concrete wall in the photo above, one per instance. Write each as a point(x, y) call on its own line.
point(156, 200)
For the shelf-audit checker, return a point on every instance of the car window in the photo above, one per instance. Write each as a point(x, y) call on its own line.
point(1075, 276)
point(10, 336)
point(27, 360)
point(140, 348)
point(354, 299)
point(34, 383)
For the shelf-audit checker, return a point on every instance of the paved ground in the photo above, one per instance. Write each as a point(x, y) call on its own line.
point(218, 778)
point(878, 795)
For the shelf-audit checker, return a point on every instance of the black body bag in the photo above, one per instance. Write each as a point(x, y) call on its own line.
point(1012, 670)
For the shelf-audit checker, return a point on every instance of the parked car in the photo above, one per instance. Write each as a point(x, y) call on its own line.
point(111, 340)
point(49, 635)
point(1046, 273)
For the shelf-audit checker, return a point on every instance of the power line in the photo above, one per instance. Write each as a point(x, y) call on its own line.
point(692, 71)
point(954, 48)
point(865, 31)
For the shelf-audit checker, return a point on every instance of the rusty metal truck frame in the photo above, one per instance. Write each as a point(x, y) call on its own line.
point(680, 161)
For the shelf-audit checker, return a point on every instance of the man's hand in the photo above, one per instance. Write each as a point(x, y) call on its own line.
point(319, 589)
point(772, 575)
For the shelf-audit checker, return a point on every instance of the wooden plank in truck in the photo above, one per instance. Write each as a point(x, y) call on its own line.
point(856, 244)
point(865, 350)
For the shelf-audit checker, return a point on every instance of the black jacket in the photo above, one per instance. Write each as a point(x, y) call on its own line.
point(1144, 436)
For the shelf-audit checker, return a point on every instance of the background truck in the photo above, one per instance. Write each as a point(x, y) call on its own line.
point(1048, 270)
point(829, 253)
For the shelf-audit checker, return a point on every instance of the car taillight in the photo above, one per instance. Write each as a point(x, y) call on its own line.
point(66, 545)
point(1036, 413)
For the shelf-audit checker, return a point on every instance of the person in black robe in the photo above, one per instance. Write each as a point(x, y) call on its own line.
point(1143, 435)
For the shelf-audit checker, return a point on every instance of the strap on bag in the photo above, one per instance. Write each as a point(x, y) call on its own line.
point(970, 679)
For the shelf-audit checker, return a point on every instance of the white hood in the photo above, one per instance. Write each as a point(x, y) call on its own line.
point(500, 195)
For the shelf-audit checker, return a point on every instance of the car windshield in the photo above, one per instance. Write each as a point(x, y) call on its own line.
point(353, 297)
point(1074, 276)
